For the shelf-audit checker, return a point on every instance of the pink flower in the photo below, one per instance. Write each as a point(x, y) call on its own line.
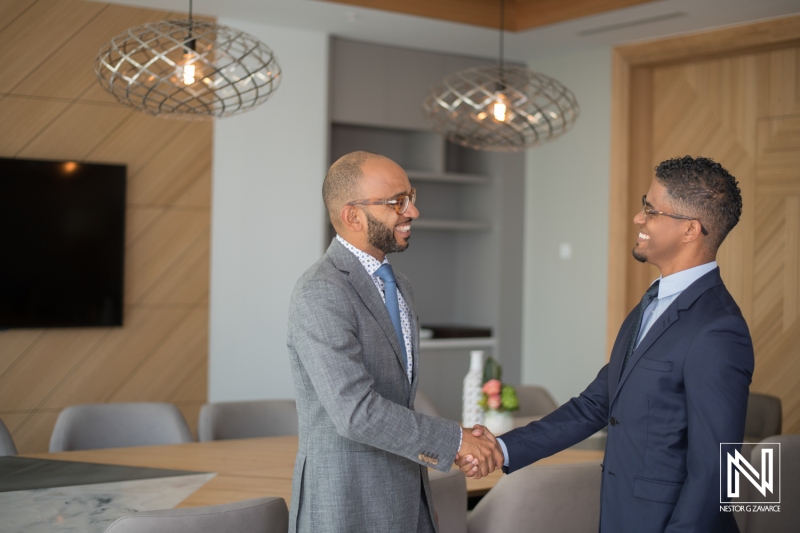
point(494, 401)
point(492, 387)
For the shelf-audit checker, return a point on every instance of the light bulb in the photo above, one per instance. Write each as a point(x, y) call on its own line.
point(499, 111)
point(188, 74)
point(188, 70)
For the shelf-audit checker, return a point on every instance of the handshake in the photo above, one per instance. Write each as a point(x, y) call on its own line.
point(480, 453)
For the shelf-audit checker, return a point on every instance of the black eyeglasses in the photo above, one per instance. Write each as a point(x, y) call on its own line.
point(400, 202)
point(647, 211)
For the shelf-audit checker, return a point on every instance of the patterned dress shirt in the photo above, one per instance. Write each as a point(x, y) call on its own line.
point(371, 265)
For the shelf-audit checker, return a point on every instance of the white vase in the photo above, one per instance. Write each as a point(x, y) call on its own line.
point(471, 412)
point(498, 422)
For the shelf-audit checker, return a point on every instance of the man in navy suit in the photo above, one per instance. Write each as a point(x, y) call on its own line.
point(678, 378)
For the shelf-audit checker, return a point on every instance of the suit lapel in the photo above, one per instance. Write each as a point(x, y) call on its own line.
point(670, 316)
point(367, 291)
point(662, 323)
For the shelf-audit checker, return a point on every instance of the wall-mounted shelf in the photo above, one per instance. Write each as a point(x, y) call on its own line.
point(449, 344)
point(450, 225)
point(449, 177)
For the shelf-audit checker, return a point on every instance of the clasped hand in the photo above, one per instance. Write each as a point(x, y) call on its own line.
point(480, 454)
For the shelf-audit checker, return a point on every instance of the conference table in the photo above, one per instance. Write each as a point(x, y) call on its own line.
point(245, 468)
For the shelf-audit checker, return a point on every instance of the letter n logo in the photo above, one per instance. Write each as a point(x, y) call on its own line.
point(762, 477)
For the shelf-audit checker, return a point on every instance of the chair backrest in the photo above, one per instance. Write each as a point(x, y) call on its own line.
point(534, 401)
point(6, 442)
point(245, 420)
point(764, 417)
point(261, 515)
point(116, 425)
point(789, 516)
point(556, 498)
point(424, 405)
point(450, 499)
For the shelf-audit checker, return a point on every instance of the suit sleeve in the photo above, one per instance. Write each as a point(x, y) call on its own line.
point(717, 375)
point(323, 332)
point(571, 423)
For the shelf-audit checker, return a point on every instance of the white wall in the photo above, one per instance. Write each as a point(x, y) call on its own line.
point(566, 201)
point(267, 218)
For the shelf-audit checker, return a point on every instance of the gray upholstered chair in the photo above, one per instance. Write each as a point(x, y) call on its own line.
point(788, 518)
point(763, 417)
point(7, 446)
point(245, 420)
point(424, 405)
point(450, 499)
point(261, 515)
point(116, 425)
point(534, 401)
point(552, 498)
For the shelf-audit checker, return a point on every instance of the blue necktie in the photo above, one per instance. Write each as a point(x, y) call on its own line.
point(393, 305)
point(648, 297)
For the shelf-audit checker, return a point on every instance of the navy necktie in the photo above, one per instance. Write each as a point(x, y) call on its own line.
point(648, 297)
point(386, 273)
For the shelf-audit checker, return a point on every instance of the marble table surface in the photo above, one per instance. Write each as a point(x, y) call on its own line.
point(61, 496)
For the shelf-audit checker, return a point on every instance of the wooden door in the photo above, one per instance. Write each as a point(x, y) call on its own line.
point(743, 110)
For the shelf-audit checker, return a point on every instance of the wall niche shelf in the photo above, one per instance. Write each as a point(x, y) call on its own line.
point(449, 225)
point(468, 343)
point(449, 177)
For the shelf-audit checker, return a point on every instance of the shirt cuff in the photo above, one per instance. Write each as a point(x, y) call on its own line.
point(505, 451)
point(460, 439)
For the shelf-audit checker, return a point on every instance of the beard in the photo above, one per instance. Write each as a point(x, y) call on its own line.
point(382, 237)
point(639, 256)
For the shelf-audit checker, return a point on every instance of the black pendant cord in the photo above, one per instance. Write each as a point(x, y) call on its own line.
point(192, 44)
point(502, 30)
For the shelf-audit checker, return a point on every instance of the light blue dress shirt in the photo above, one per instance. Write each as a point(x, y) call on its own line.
point(669, 289)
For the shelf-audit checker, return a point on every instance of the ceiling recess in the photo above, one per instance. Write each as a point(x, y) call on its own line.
point(521, 14)
point(631, 23)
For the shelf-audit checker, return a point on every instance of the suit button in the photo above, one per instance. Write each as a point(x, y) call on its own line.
point(613, 421)
point(421, 457)
point(435, 462)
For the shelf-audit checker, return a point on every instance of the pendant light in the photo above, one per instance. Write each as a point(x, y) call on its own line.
point(188, 69)
point(502, 108)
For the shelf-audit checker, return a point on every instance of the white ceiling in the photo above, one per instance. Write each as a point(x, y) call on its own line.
point(646, 21)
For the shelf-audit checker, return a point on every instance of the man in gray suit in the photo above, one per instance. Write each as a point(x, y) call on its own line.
point(354, 346)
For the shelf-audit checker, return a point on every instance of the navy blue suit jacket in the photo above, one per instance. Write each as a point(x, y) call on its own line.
point(683, 392)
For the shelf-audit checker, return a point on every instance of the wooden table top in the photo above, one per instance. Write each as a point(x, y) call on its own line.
point(249, 468)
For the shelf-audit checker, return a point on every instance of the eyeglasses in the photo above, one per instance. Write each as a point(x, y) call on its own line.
point(647, 211)
point(400, 202)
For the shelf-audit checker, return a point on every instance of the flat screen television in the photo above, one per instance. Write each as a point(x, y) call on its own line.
point(62, 243)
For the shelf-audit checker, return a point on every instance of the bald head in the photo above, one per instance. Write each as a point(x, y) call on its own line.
point(342, 182)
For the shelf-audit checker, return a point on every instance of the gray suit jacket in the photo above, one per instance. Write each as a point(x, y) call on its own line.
point(363, 452)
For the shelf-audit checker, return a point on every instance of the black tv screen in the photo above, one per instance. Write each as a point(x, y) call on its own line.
point(62, 227)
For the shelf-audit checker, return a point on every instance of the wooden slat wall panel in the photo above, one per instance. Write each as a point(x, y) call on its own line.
point(67, 74)
point(706, 108)
point(741, 108)
point(51, 107)
point(776, 328)
point(29, 116)
point(778, 88)
point(38, 34)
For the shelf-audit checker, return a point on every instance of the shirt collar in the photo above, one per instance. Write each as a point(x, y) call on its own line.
point(677, 282)
point(367, 261)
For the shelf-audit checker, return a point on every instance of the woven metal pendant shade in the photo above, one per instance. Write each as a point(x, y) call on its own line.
point(535, 108)
point(188, 69)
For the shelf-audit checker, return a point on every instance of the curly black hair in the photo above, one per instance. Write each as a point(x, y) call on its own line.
point(703, 189)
